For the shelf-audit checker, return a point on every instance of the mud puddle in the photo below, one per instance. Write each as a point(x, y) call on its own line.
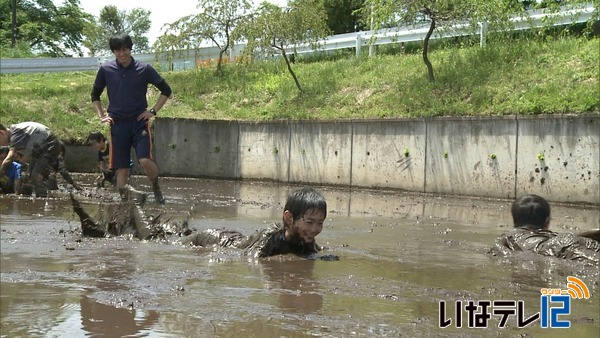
point(400, 255)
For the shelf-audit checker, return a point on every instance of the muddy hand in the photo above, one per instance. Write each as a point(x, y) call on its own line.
point(327, 258)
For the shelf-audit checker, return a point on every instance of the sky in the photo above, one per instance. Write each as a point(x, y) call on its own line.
point(162, 11)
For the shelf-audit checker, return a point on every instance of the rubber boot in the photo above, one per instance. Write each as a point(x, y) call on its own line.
point(158, 196)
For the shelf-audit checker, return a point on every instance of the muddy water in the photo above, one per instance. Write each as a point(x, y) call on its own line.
point(400, 255)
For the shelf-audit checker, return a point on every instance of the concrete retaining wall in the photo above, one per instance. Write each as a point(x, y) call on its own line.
point(197, 148)
point(555, 156)
point(264, 151)
point(389, 154)
point(471, 156)
point(567, 167)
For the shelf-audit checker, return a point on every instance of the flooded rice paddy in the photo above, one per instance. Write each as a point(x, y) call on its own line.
point(400, 255)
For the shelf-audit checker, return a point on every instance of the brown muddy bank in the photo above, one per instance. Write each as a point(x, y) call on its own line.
point(400, 255)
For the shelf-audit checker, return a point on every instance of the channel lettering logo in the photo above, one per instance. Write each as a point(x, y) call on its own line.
point(554, 303)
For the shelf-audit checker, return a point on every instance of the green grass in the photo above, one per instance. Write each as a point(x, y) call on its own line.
point(520, 77)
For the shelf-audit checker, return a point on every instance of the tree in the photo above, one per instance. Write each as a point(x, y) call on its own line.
point(13, 11)
point(438, 14)
point(281, 29)
point(135, 22)
point(47, 29)
point(342, 17)
point(216, 23)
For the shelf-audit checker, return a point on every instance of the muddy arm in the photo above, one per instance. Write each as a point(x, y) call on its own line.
point(593, 234)
point(62, 169)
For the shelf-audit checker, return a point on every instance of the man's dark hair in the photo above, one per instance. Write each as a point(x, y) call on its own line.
point(304, 199)
point(2, 127)
point(4, 149)
point(95, 136)
point(530, 211)
point(119, 41)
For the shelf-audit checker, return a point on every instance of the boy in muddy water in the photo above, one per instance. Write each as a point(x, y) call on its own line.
point(34, 144)
point(531, 218)
point(303, 216)
point(98, 141)
point(11, 181)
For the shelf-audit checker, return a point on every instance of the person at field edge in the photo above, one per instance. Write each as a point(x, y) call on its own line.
point(98, 141)
point(34, 144)
point(531, 218)
point(303, 216)
point(11, 181)
point(126, 81)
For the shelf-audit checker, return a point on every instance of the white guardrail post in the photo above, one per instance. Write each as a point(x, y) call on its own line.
point(483, 27)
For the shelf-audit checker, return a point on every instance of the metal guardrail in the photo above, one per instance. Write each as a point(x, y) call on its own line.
point(533, 19)
point(34, 65)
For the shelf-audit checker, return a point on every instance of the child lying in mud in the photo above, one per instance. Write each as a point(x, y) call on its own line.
point(303, 216)
point(531, 218)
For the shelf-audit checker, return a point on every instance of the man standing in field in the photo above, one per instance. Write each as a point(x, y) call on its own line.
point(126, 81)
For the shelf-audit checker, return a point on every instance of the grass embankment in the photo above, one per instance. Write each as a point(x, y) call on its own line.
point(522, 77)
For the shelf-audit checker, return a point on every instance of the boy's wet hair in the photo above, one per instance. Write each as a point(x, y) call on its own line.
point(95, 136)
point(4, 149)
point(119, 41)
point(2, 127)
point(304, 199)
point(530, 211)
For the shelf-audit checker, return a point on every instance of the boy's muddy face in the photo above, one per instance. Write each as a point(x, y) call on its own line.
point(96, 145)
point(309, 226)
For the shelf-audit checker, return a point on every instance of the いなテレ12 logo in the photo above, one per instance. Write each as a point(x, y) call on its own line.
point(576, 289)
point(554, 304)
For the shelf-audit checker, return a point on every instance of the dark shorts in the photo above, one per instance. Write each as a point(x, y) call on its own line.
point(127, 134)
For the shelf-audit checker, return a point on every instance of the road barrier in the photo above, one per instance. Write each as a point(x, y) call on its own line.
point(186, 60)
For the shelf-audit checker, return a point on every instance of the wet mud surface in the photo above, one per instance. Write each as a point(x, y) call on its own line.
point(400, 255)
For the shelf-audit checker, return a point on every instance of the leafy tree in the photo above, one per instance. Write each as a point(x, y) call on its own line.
point(136, 23)
point(274, 28)
point(21, 50)
point(46, 28)
point(438, 14)
point(342, 16)
point(216, 23)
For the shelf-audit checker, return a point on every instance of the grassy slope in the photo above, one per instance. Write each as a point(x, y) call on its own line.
point(524, 77)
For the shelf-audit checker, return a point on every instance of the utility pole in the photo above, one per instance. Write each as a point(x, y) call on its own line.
point(14, 23)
